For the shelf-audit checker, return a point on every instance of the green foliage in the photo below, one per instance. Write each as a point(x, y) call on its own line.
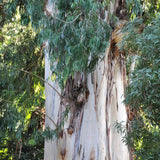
point(141, 43)
point(147, 9)
point(20, 93)
point(30, 10)
point(143, 92)
point(77, 36)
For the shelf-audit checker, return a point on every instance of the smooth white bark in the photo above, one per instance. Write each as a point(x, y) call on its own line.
point(93, 137)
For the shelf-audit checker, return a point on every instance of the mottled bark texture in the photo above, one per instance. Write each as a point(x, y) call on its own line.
point(96, 103)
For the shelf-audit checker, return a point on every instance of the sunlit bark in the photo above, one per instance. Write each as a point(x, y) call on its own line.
point(92, 135)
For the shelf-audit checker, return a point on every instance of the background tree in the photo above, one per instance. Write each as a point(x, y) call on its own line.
point(141, 42)
point(21, 93)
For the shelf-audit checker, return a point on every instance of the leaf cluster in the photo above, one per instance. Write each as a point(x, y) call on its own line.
point(143, 92)
point(76, 34)
point(77, 38)
point(148, 9)
point(20, 93)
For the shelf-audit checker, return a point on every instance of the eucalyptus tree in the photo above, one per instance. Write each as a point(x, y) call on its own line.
point(91, 81)
point(75, 35)
point(85, 82)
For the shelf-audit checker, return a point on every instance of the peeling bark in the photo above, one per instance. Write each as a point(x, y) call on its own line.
point(88, 133)
point(90, 137)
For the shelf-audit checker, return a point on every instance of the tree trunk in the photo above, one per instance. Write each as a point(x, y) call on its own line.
point(88, 132)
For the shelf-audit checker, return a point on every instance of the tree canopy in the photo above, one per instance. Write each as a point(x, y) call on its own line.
point(21, 94)
point(143, 92)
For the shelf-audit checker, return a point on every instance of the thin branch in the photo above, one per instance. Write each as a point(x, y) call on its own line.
point(69, 21)
point(45, 82)
point(37, 77)
point(39, 111)
point(50, 119)
point(42, 80)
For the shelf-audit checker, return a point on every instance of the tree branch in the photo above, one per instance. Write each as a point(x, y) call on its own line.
point(37, 77)
point(42, 80)
point(69, 21)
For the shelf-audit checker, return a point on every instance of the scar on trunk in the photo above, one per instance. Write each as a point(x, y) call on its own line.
point(92, 154)
point(75, 94)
